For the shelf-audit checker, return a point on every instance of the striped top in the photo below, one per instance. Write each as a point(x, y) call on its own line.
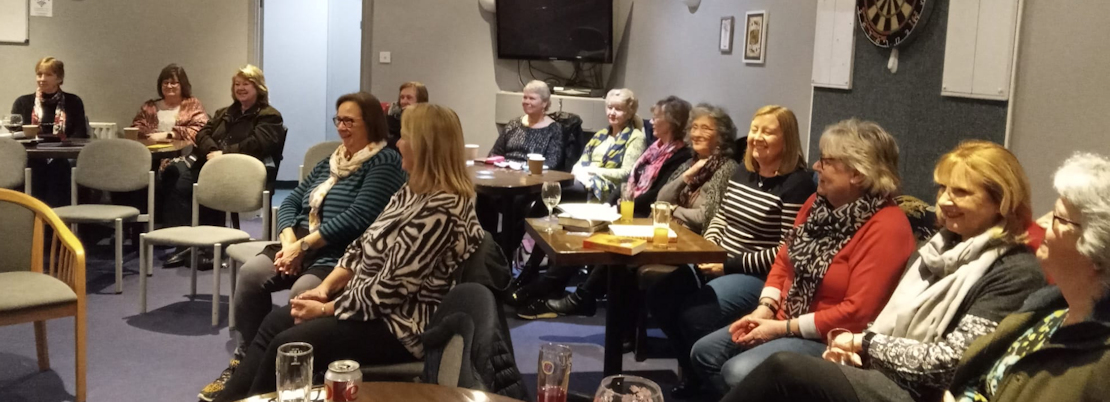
point(405, 263)
point(350, 206)
point(754, 215)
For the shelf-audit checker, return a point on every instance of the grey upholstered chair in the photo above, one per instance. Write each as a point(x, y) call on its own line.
point(315, 154)
point(13, 165)
point(111, 165)
point(229, 183)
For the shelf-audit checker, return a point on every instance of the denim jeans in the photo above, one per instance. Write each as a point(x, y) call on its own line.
point(725, 364)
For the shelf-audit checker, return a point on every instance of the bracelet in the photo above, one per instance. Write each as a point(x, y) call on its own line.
point(789, 333)
point(770, 306)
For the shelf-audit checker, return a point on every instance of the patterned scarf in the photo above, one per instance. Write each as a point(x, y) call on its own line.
point(59, 112)
point(611, 160)
point(341, 167)
point(652, 160)
point(693, 185)
point(812, 246)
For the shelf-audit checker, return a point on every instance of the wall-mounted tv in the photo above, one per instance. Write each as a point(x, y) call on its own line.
point(578, 30)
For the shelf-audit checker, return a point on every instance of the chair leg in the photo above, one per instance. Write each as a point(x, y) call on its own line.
point(217, 258)
point(640, 340)
point(119, 256)
point(145, 253)
point(41, 346)
point(81, 328)
point(193, 267)
point(234, 268)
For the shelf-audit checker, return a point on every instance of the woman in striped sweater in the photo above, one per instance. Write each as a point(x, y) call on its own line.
point(374, 305)
point(329, 209)
point(759, 206)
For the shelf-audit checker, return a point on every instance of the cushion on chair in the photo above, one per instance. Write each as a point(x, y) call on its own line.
point(243, 252)
point(648, 275)
point(196, 236)
point(20, 290)
point(91, 213)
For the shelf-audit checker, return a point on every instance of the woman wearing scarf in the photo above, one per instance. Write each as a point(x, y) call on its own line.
point(760, 204)
point(838, 266)
point(175, 111)
point(58, 113)
point(970, 275)
point(696, 188)
point(609, 156)
point(665, 156)
point(331, 208)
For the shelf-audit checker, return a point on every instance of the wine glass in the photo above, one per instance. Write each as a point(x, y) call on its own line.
point(628, 388)
point(13, 123)
point(551, 193)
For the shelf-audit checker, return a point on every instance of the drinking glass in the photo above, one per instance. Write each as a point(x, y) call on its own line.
point(628, 388)
point(835, 332)
point(628, 205)
point(13, 123)
point(553, 373)
point(661, 220)
point(294, 372)
point(551, 193)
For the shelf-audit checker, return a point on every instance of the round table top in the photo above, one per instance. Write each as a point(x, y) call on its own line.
point(402, 391)
point(71, 148)
point(489, 179)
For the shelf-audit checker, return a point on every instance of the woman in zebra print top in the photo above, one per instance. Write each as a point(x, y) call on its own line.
point(373, 307)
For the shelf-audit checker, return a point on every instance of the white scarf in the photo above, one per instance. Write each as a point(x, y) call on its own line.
point(932, 290)
point(341, 167)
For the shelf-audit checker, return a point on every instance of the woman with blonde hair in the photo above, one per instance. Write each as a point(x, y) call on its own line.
point(374, 305)
point(970, 275)
point(837, 267)
point(533, 133)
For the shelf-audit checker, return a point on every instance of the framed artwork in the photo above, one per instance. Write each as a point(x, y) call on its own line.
point(726, 34)
point(755, 37)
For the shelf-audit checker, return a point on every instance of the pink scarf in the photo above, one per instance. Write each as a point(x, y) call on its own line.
point(59, 112)
point(654, 157)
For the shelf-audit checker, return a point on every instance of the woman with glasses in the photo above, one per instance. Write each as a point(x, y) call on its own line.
point(175, 112)
point(327, 211)
point(760, 204)
point(973, 273)
point(837, 267)
point(697, 186)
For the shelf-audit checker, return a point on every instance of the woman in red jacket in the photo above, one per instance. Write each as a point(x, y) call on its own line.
point(846, 252)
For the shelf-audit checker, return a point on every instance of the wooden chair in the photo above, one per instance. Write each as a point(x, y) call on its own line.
point(30, 294)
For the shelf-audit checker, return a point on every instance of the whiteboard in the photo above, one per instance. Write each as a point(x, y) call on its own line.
point(13, 21)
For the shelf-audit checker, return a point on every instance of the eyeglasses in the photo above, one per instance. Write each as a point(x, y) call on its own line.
point(343, 121)
point(826, 160)
point(1058, 218)
point(171, 84)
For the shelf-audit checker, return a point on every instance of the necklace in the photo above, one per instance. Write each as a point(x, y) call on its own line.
point(759, 178)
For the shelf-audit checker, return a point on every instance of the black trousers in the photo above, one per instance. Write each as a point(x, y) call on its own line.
point(686, 311)
point(367, 342)
point(787, 376)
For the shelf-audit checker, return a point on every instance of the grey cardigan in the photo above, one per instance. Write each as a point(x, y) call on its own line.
point(697, 215)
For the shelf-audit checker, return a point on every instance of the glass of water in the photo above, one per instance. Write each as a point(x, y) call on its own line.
point(551, 193)
point(294, 372)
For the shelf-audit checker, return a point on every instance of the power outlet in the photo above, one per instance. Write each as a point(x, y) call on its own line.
point(385, 58)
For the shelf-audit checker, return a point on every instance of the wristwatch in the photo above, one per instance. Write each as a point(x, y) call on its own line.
point(305, 246)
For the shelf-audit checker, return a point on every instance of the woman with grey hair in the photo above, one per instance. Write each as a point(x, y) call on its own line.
point(533, 133)
point(608, 157)
point(696, 188)
point(1057, 347)
point(669, 151)
point(837, 266)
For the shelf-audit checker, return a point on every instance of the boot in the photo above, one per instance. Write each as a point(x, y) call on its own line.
point(178, 258)
point(581, 302)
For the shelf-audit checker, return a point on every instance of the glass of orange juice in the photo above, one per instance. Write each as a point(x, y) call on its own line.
point(661, 220)
point(627, 206)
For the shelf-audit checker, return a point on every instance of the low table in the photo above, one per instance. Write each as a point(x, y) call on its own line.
point(72, 148)
point(566, 249)
point(403, 392)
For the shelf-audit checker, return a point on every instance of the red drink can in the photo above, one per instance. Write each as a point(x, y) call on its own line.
point(342, 381)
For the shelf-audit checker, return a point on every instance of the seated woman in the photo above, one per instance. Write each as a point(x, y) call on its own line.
point(533, 133)
point(175, 111)
point(249, 126)
point(331, 207)
point(608, 157)
point(411, 93)
point(669, 151)
point(697, 186)
point(970, 275)
point(837, 268)
point(374, 305)
point(760, 205)
point(56, 112)
point(1057, 347)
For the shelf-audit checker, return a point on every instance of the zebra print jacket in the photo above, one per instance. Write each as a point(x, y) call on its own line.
point(405, 262)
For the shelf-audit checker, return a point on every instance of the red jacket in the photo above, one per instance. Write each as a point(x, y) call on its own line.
point(860, 278)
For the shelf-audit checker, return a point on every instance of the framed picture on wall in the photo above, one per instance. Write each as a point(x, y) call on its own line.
point(755, 37)
point(726, 34)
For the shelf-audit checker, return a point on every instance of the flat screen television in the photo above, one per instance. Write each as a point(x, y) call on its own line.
point(578, 30)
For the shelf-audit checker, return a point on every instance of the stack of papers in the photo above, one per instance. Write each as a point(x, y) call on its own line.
point(640, 232)
point(589, 212)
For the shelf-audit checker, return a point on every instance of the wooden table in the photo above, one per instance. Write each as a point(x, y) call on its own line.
point(566, 249)
point(505, 183)
point(71, 148)
point(402, 391)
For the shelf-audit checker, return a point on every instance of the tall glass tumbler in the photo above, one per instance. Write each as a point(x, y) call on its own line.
point(294, 372)
point(553, 373)
point(661, 221)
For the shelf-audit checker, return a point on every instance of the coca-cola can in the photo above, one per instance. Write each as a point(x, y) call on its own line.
point(342, 381)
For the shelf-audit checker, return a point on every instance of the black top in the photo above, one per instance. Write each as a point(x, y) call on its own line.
point(76, 122)
point(257, 132)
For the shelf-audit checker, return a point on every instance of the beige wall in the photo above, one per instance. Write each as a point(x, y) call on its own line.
point(1062, 93)
point(665, 50)
point(114, 50)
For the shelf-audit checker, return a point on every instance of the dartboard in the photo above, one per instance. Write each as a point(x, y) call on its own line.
point(888, 23)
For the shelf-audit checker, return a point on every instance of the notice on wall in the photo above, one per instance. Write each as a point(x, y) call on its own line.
point(42, 8)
